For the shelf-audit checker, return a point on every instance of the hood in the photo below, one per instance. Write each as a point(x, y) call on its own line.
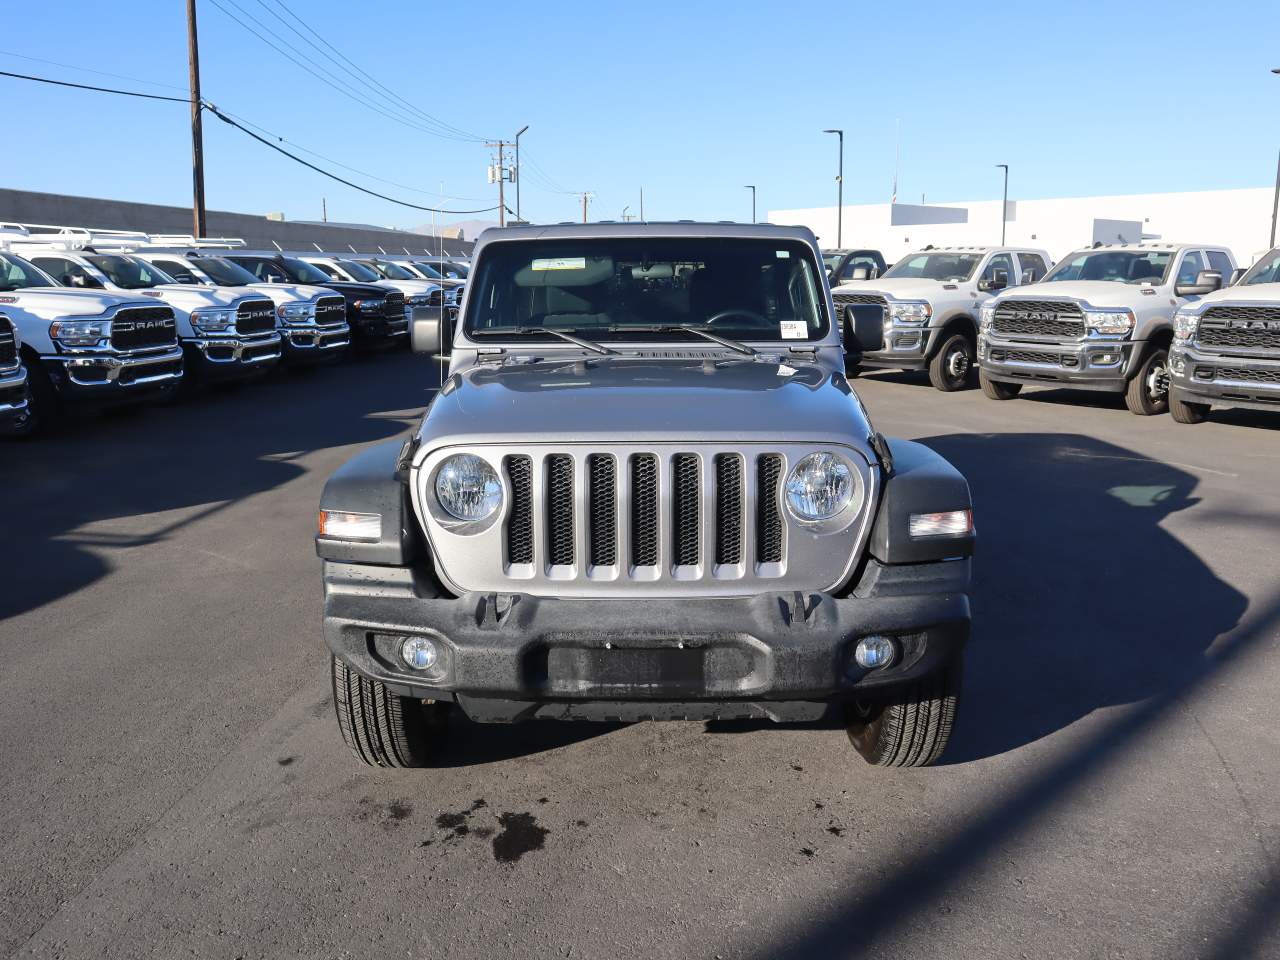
point(1253, 293)
point(1096, 293)
point(906, 288)
point(188, 298)
point(350, 288)
point(410, 288)
point(645, 400)
point(292, 292)
point(55, 302)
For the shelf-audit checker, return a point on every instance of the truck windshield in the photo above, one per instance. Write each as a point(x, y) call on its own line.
point(1119, 266)
point(359, 271)
point(1266, 270)
point(225, 273)
point(129, 273)
point(17, 274)
point(299, 271)
point(392, 271)
point(739, 288)
point(936, 266)
point(428, 271)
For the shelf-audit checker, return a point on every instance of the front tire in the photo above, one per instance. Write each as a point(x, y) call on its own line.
point(382, 728)
point(912, 725)
point(950, 367)
point(1148, 391)
point(44, 409)
point(996, 389)
point(1184, 411)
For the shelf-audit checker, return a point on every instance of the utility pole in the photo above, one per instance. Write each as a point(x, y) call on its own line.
point(518, 170)
point(501, 175)
point(1004, 206)
point(752, 188)
point(642, 204)
point(839, 190)
point(197, 134)
point(586, 196)
point(324, 210)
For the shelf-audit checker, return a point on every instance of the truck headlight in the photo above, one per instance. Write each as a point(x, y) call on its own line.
point(296, 312)
point(213, 321)
point(468, 488)
point(1109, 321)
point(420, 300)
point(910, 312)
point(987, 317)
point(819, 487)
point(369, 306)
point(79, 333)
point(1185, 324)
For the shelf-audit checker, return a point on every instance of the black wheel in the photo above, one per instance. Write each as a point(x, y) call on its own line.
point(44, 409)
point(1148, 391)
point(950, 367)
point(1184, 411)
point(910, 727)
point(384, 729)
point(851, 368)
point(996, 389)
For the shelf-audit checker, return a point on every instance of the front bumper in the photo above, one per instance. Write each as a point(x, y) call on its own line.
point(510, 656)
point(226, 358)
point(1250, 382)
point(98, 376)
point(312, 344)
point(378, 329)
point(906, 348)
point(1091, 364)
point(14, 397)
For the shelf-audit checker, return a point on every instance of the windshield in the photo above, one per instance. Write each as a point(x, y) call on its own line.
point(359, 271)
point(604, 289)
point(428, 271)
point(1119, 266)
point(225, 273)
point(936, 266)
point(831, 260)
point(299, 271)
point(16, 273)
point(129, 273)
point(1266, 270)
point(392, 271)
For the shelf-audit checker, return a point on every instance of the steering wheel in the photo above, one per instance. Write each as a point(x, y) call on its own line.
point(758, 318)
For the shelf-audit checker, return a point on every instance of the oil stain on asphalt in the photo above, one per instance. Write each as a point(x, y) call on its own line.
point(520, 833)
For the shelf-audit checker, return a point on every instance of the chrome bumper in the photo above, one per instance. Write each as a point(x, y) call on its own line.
point(95, 369)
point(237, 349)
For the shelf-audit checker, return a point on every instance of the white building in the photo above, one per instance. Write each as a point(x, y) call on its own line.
point(1239, 219)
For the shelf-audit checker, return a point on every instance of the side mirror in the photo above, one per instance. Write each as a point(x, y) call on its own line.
point(72, 280)
point(860, 273)
point(999, 280)
point(1207, 281)
point(1237, 275)
point(431, 331)
point(1029, 276)
point(863, 326)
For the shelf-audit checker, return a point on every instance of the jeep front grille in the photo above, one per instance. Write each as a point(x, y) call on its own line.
point(1255, 328)
point(135, 328)
point(8, 344)
point(1059, 319)
point(645, 520)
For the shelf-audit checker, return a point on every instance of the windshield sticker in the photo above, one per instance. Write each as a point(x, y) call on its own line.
point(782, 254)
point(793, 329)
point(560, 263)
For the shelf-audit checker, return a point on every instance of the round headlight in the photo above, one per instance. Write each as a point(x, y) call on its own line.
point(468, 488)
point(819, 487)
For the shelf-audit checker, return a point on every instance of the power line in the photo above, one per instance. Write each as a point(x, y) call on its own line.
point(101, 73)
point(85, 86)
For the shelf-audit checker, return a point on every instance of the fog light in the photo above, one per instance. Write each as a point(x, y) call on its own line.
point(419, 653)
point(875, 652)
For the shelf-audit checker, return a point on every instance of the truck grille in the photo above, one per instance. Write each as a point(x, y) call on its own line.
point(393, 306)
point(255, 316)
point(136, 327)
point(8, 344)
point(666, 519)
point(1256, 328)
point(331, 310)
point(849, 299)
point(1248, 375)
point(1030, 356)
point(1059, 319)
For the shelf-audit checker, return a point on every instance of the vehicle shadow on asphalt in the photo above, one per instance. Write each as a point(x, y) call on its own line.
point(198, 456)
point(472, 744)
point(1082, 601)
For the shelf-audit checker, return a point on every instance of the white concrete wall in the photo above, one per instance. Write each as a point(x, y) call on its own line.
point(1239, 219)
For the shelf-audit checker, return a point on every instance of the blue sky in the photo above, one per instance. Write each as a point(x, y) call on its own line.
point(689, 100)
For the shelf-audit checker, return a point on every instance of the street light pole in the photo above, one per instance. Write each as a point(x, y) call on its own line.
point(752, 188)
point(839, 191)
point(1004, 205)
point(518, 170)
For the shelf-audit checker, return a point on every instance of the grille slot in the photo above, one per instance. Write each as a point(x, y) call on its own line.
point(768, 516)
point(644, 510)
point(728, 508)
point(685, 513)
point(560, 510)
point(1030, 356)
point(137, 327)
point(1215, 329)
point(602, 505)
point(1061, 319)
point(256, 316)
point(520, 523)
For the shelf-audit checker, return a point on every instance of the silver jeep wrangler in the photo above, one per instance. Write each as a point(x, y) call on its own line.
point(645, 490)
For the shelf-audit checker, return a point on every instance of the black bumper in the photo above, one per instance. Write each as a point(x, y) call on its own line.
point(509, 656)
point(379, 331)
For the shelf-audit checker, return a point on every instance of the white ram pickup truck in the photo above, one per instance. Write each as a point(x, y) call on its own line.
point(312, 320)
point(86, 347)
point(418, 294)
point(1226, 347)
point(1101, 320)
point(923, 313)
point(224, 335)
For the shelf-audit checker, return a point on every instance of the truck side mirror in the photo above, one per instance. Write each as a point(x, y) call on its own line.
point(864, 325)
point(431, 331)
point(1237, 275)
point(1207, 281)
point(1029, 275)
point(860, 273)
point(999, 280)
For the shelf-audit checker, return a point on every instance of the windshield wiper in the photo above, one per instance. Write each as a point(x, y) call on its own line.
point(530, 331)
point(734, 345)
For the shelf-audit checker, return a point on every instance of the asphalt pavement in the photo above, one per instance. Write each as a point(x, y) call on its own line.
point(173, 783)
